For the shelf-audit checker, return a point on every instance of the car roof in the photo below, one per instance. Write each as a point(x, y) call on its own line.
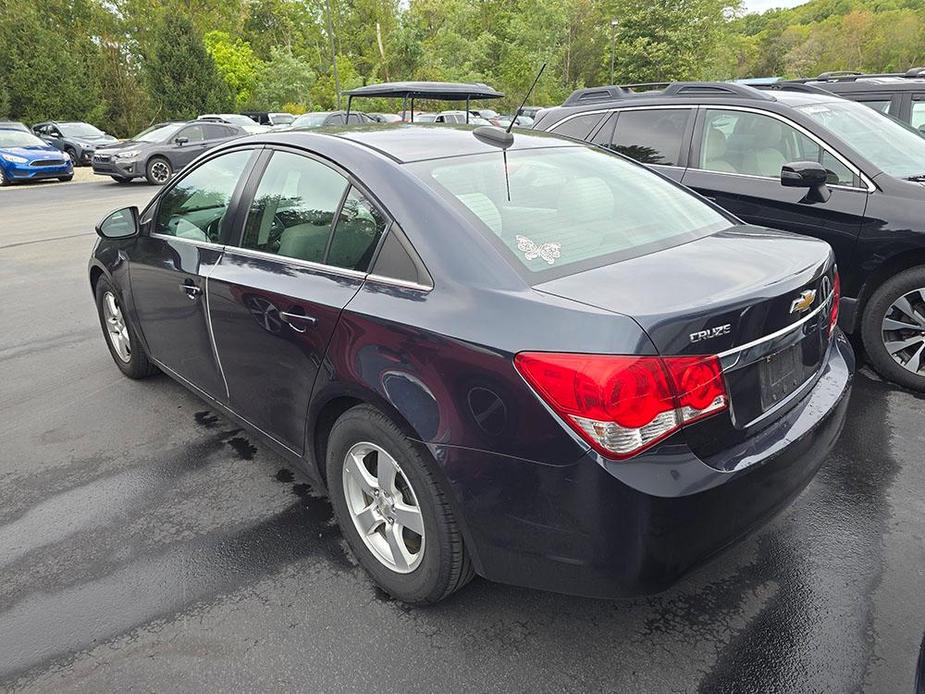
point(864, 84)
point(408, 142)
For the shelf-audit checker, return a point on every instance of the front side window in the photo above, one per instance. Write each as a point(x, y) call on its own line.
point(356, 234)
point(294, 208)
point(578, 127)
point(193, 133)
point(195, 207)
point(563, 209)
point(753, 144)
point(651, 136)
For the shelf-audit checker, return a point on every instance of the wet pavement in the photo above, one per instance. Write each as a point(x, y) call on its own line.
point(148, 544)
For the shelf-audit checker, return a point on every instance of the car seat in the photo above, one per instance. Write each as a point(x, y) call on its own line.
point(714, 151)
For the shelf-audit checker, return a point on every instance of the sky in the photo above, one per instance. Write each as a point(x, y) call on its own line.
point(762, 5)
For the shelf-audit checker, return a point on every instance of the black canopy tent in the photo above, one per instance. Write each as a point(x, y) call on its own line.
point(441, 91)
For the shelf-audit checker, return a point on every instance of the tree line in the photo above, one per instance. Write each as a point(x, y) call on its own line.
point(124, 64)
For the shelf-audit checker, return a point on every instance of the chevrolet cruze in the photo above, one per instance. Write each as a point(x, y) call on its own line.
point(534, 361)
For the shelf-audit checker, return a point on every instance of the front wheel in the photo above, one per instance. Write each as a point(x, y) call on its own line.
point(65, 179)
point(121, 179)
point(121, 338)
point(391, 511)
point(72, 154)
point(158, 171)
point(893, 329)
point(4, 179)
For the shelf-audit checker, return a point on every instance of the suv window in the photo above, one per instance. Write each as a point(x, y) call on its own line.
point(293, 210)
point(195, 207)
point(214, 131)
point(356, 234)
point(651, 136)
point(740, 142)
point(193, 133)
point(578, 127)
point(918, 114)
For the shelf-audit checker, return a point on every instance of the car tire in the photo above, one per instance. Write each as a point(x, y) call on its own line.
point(4, 180)
point(898, 302)
point(365, 437)
point(121, 179)
point(158, 171)
point(127, 351)
point(65, 179)
point(72, 153)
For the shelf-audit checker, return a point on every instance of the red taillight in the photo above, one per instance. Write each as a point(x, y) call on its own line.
point(836, 296)
point(622, 404)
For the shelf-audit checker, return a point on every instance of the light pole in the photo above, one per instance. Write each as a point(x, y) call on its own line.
point(613, 41)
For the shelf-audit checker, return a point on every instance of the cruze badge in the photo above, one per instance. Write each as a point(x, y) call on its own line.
point(547, 251)
point(805, 300)
point(709, 334)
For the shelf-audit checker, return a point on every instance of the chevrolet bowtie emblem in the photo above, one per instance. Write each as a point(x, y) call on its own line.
point(804, 302)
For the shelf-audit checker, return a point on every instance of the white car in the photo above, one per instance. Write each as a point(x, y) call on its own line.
point(243, 122)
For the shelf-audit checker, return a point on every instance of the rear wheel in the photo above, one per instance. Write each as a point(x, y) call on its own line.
point(158, 171)
point(893, 329)
point(121, 337)
point(393, 515)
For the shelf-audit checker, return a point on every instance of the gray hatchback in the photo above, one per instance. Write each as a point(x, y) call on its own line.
point(163, 149)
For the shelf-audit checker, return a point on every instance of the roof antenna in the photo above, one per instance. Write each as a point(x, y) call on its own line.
point(497, 137)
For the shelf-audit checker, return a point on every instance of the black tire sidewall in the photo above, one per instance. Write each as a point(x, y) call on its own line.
point(871, 333)
point(138, 365)
point(151, 162)
point(428, 582)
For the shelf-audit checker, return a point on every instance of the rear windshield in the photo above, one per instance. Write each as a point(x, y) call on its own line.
point(561, 210)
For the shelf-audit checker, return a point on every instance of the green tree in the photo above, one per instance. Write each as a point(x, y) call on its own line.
point(283, 79)
point(180, 75)
point(235, 62)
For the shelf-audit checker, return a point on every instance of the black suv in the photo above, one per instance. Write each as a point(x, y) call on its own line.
point(794, 158)
point(900, 94)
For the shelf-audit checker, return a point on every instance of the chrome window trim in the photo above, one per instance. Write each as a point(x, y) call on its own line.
point(407, 284)
point(218, 359)
point(659, 107)
point(308, 264)
point(192, 242)
point(799, 128)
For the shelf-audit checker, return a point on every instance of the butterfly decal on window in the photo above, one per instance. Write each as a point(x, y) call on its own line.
point(547, 251)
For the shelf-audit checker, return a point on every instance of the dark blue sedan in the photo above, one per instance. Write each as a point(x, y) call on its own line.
point(535, 361)
point(24, 157)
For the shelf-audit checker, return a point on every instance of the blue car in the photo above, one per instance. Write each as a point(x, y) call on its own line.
point(24, 157)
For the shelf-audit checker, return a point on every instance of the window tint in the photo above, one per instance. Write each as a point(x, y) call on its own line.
point(578, 127)
point(192, 133)
point(756, 145)
point(195, 207)
point(356, 234)
point(652, 137)
point(604, 134)
point(882, 105)
point(549, 209)
point(399, 261)
point(918, 115)
point(213, 131)
point(294, 207)
point(336, 119)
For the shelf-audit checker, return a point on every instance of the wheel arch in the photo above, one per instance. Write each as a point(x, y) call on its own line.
point(893, 265)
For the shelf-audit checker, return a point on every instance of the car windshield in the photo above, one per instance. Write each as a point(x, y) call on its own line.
point(19, 138)
point(310, 120)
point(561, 210)
point(79, 130)
point(887, 144)
point(282, 118)
point(158, 133)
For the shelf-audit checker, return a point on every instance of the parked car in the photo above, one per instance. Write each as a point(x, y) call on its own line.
point(529, 111)
point(77, 140)
point(385, 117)
point(14, 125)
point(457, 118)
point(583, 379)
point(161, 150)
point(901, 95)
point(25, 157)
point(271, 120)
point(324, 119)
point(519, 121)
point(246, 124)
point(805, 161)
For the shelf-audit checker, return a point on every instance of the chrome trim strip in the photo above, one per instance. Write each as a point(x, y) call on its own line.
point(192, 242)
point(308, 264)
point(381, 279)
point(218, 359)
point(778, 333)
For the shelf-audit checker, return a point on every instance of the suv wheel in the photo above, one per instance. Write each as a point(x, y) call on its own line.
point(158, 171)
point(893, 329)
point(72, 153)
point(391, 511)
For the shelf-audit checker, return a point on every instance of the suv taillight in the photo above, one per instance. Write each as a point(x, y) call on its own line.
point(621, 405)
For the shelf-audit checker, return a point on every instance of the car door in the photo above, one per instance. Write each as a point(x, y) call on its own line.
point(188, 144)
point(277, 293)
point(656, 136)
point(181, 242)
point(736, 157)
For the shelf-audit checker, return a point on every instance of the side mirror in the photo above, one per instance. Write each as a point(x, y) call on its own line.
point(181, 140)
point(807, 174)
point(121, 224)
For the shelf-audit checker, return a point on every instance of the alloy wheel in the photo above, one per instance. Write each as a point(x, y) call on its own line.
point(903, 331)
point(116, 328)
point(160, 172)
point(384, 507)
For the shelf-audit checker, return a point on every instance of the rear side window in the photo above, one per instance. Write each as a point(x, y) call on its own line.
point(653, 136)
point(561, 210)
point(293, 210)
point(578, 127)
point(356, 234)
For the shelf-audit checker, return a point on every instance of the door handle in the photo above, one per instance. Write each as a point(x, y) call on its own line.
point(292, 318)
point(192, 291)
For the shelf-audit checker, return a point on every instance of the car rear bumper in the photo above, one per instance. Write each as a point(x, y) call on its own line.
point(625, 529)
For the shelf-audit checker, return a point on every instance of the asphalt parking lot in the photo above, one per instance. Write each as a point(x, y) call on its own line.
point(147, 544)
